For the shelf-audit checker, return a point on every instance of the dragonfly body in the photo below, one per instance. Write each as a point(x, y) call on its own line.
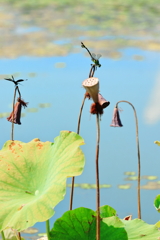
point(95, 59)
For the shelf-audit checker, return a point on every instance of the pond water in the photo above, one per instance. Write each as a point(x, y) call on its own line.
point(54, 92)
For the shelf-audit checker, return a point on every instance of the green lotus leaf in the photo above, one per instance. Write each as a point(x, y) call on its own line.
point(129, 173)
point(157, 224)
point(107, 211)
point(125, 186)
point(33, 178)
point(132, 178)
point(138, 229)
point(80, 224)
point(157, 202)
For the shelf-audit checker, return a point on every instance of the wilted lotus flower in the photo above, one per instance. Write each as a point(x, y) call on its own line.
point(116, 121)
point(15, 115)
point(102, 101)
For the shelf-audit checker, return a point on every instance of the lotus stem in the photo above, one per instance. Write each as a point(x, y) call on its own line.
point(80, 114)
point(78, 130)
point(14, 98)
point(91, 73)
point(48, 229)
point(19, 235)
point(3, 237)
point(138, 154)
point(97, 181)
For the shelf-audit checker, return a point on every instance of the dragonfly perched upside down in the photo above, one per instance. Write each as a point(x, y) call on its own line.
point(15, 82)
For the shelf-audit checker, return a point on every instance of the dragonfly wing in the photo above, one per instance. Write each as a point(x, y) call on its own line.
point(20, 80)
point(94, 55)
point(8, 79)
point(98, 56)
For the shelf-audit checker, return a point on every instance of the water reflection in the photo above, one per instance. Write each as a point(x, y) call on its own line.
point(55, 34)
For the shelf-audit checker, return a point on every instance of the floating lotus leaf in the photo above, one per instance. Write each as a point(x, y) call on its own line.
point(125, 186)
point(44, 105)
point(33, 178)
point(32, 110)
point(157, 202)
point(30, 230)
point(151, 185)
point(129, 173)
point(132, 178)
point(157, 142)
point(149, 177)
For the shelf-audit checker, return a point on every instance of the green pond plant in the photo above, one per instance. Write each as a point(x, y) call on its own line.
point(80, 224)
point(33, 178)
point(116, 122)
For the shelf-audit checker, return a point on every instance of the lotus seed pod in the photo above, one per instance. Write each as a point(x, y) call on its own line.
point(92, 87)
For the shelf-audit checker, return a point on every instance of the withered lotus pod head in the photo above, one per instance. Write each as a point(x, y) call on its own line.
point(102, 101)
point(116, 121)
point(92, 87)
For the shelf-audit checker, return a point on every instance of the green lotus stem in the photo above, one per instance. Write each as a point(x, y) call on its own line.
point(138, 153)
point(3, 237)
point(97, 181)
point(48, 229)
point(78, 130)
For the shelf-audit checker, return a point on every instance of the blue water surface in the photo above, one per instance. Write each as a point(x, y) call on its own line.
point(123, 79)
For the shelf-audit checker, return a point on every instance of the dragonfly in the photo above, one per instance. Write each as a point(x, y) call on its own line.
point(95, 58)
point(15, 82)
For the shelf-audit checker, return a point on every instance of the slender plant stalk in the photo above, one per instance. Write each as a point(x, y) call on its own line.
point(78, 130)
point(80, 114)
point(19, 235)
point(12, 131)
point(48, 229)
point(138, 153)
point(97, 182)
point(2, 234)
point(91, 73)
